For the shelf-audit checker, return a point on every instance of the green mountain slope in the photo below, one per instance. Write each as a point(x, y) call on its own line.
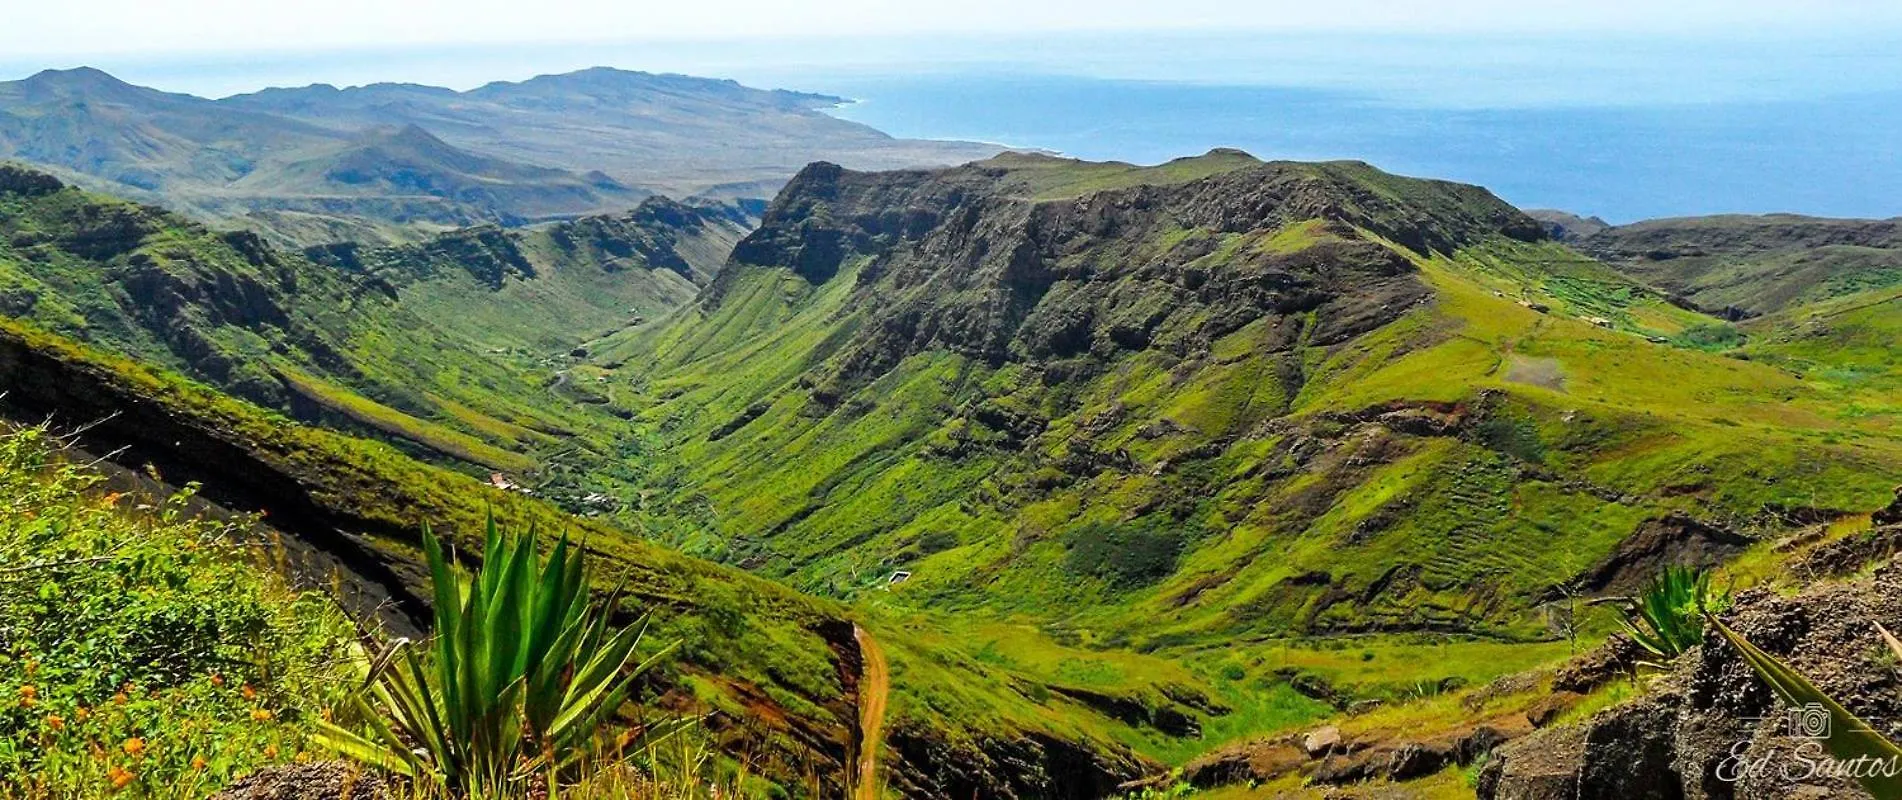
point(1201, 410)
point(1118, 464)
point(433, 345)
point(1751, 265)
point(756, 650)
point(416, 345)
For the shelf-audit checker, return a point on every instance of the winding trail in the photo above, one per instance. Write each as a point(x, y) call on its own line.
point(874, 690)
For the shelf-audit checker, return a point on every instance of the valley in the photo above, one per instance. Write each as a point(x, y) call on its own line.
point(1030, 477)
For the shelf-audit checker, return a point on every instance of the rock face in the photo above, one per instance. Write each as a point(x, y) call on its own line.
point(1693, 735)
point(1674, 540)
point(324, 780)
point(1891, 515)
point(17, 180)
point(1033, 766)
point(961, 260)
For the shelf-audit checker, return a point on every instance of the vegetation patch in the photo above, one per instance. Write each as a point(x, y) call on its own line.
point(141, 649)
point(1127, 555)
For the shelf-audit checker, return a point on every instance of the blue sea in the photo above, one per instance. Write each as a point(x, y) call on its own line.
point(1831, 156)
point(1622, 125)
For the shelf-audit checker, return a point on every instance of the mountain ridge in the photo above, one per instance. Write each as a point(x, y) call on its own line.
point(1745, 265)
point(1121, 464)
point(1208, 410)
point(552, 146)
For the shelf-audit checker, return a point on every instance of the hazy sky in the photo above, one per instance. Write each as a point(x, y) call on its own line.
point(75, 28)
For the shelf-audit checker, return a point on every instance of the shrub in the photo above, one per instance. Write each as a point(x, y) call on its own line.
point(1712, 337)
point(520, 675)
point(1126, 555)
point(1667, 616)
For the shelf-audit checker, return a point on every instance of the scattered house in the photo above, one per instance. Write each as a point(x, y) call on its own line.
point(897, 578)
point(500, 481)
point(1599, 321)
point(1539, 307)
point(1657, 340)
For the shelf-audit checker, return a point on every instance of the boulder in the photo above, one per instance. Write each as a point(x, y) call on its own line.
point(1321, 741)
point(1417, 760)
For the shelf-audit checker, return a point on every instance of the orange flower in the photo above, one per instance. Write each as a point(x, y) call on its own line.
point(29, 696)
point(217, 680)
point(133, 746)
point(120, 776)
point(198, 762)
point(270, 751)
point(82, 713)
point(260, 714)
point(55, 721)
point(248, 692)
point(120, 698)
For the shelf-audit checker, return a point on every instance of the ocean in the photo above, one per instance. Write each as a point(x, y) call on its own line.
point(1830, 156)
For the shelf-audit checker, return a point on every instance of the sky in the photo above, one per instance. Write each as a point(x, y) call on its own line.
point(1613, 101)
point(153, 27)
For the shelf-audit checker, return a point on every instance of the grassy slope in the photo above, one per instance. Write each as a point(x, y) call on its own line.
point(1756, 264)
point(127, 618)
point(754, 653)
point(429, 345)
point(1581, 433)
point(741, 631)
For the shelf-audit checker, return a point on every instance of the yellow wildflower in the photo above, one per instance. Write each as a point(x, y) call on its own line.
point(133, 746)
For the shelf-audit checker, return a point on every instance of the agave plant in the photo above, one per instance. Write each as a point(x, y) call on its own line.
point(1849, 738)
point(519, 677)
point(1667, 616)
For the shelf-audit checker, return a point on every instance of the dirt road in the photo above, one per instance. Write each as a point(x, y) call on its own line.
point(874, 689)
